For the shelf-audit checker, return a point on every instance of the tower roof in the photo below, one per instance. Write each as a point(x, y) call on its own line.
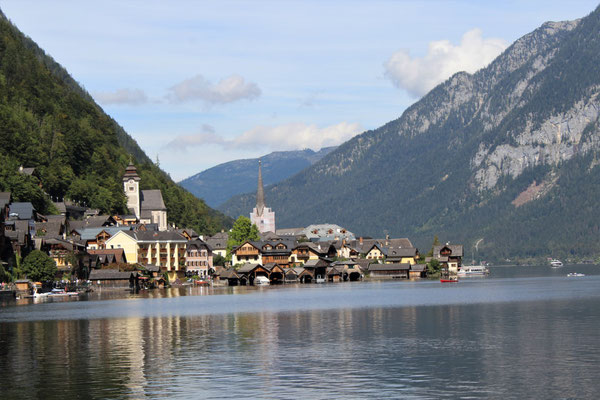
point(260, 192)
point(131, 172)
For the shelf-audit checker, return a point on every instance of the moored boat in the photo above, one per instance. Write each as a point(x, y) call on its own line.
point(554, 263)
point(572, 274)
point(473, 270)
point(261, 281)
point(449, 280)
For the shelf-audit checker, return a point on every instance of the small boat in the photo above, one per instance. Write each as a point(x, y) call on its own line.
point(449, 280)
point(261, 281)
point(554, 263)
point(202, 282)
point(572, 274)
point(60, 292)
point(473, 270)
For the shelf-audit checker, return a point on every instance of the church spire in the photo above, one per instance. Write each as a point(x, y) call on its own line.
point(260, 192)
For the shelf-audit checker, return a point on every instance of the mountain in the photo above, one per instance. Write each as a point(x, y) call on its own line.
point(509, 154)
point(48, 122)
point(217, 184)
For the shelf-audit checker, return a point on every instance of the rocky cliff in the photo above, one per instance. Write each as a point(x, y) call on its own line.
point(508, 154)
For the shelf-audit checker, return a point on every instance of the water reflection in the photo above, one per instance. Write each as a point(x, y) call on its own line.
point(517, 349)
point(376, 341)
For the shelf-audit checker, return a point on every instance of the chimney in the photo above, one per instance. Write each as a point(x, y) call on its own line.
point(360, 240)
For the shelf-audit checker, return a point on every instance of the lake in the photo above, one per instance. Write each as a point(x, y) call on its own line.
point(522, 332)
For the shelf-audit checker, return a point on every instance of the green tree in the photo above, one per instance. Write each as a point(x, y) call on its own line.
point(242, 231)
point(436, 242)
point(38, 266)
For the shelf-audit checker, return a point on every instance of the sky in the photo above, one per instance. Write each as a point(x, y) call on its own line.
point(199, 83)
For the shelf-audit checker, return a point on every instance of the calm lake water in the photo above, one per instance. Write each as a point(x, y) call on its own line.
point(522, 332)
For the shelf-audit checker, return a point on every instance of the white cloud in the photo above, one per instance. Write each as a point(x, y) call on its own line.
point(292, 136)
point(443, 59)
point(227, 90)
point(122, 96)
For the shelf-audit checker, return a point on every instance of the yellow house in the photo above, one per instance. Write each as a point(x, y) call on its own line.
point(165, 249)
point(402, 255)
point(376, 252)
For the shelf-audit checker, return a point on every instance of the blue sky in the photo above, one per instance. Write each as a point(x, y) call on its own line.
point(201, 83)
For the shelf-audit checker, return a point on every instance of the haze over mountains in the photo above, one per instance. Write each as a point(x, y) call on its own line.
point(218, 184)
point(508, 154)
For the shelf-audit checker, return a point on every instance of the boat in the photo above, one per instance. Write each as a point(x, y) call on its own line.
point(449, 280)
point(261, 281)
point(554, 263)
point(473, 270)
point(60, 292)
point(572, 274)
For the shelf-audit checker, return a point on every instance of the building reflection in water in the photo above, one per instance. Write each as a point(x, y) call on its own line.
point(426, 351)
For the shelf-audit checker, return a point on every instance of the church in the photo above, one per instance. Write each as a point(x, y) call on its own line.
point(262, 216)
point(147, 205)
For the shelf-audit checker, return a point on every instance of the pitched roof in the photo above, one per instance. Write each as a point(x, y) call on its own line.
point(23, 210)
point(109, 274)
point(117, 254)
point(418, 267)
point(316, 263)
point(198, 244)
point(389, 267)
point(401, 252)
point(456, 249)
point(247, 268)
point(152, 200)
point(153, 236)
point(91, 233)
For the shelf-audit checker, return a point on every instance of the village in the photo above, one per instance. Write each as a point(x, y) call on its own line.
point(142, 251)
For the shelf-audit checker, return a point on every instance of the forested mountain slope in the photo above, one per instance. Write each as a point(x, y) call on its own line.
point(49, 122)
point(217, 184)
point(508, 154)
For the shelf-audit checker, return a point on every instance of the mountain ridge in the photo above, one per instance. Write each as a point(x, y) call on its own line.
point(219, 183)
point(466, 150)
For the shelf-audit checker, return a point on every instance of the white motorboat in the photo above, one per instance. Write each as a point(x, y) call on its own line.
point(261, 281)
point(554, 263)
point(58, 292)
point(473, 270)
point(572, 274)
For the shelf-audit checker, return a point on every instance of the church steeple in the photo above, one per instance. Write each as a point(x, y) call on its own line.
point(260, 192)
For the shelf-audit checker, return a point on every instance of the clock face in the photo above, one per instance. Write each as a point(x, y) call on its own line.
point(131, 181)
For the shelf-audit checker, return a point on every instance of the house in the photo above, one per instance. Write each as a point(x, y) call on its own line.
point(335, 273)
point(109, 256)
point(351, 270)
point(59, 250)
point(417, 271)
point(317, 268)
point(389, 271)
point(95, 238)
point(113, 278)
point(125, 220)
point(376, 252)
point(228, 276)
point(218, 243)
point(276, 252)
point(247, 252)
point(449, 256)
point(198, 258)
point(402, 255)
point(54, 226)
point(165, 249)
point(249, 271)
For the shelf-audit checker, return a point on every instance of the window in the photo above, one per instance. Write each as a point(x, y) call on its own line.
point(131, 188)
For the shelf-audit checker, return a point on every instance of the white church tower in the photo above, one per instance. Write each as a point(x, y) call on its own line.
point(131, 186)
point(262, 216)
